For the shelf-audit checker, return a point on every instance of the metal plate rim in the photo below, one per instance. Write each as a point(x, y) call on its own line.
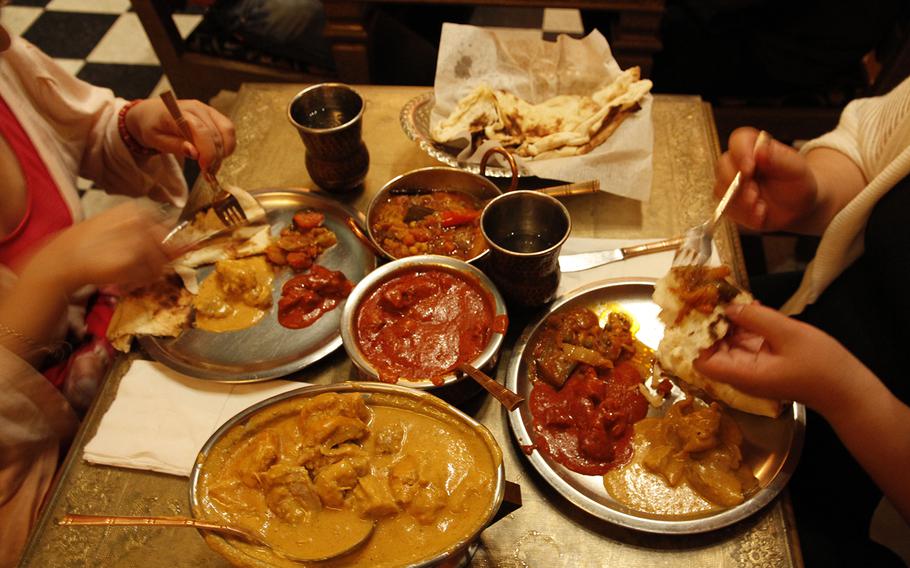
point(641, 523)
point(153, 346)
point(419, 133)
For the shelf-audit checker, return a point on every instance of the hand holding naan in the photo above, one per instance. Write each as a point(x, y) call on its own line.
point(771, 355)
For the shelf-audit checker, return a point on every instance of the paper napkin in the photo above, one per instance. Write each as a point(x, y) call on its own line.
point(160, 419)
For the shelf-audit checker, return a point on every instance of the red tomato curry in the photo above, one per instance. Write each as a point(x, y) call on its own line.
point(421, 323)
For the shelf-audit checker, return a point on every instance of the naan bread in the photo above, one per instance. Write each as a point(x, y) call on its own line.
point(688, 332)
point(161, 309)
point(566, 125)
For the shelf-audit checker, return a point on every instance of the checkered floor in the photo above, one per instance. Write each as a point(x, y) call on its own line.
point(100, 41)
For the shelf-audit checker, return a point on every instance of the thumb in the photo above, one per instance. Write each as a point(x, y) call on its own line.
point(760, 320)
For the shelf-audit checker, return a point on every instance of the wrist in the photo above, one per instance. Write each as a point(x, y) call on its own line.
point(130, 133)
point(843, 388)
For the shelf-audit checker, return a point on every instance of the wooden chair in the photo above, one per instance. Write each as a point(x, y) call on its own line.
point(198, 75)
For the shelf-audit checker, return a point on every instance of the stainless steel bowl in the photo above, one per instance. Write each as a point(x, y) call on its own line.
point(487, 357)
point(273, 408)
point(435, 179)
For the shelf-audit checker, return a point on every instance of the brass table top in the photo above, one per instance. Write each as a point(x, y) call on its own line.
point(546, 530)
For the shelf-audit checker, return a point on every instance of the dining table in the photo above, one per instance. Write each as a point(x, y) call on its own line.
point(546, 530)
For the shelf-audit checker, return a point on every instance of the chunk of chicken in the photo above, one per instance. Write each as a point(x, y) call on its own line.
point(290, 493)
point(256, 455)
point(374, 498)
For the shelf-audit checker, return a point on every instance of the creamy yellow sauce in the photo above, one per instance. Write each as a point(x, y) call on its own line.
point(641, 490)
point(235, 296)
point(424, 477)
point(686, 463)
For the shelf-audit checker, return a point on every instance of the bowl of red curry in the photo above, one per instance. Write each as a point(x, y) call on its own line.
point(413, 320)
point(432, 210)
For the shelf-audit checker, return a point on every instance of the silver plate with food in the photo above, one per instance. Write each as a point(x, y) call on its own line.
point(267, 349)
point(415, 121)
point(770, 447)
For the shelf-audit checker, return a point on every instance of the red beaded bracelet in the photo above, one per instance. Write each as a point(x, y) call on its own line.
point(128, 140)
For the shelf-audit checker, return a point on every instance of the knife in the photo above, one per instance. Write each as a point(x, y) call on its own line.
point(586, 260)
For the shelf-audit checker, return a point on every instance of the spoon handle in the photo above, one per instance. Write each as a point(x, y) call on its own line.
point(117, 521)
point(506, 397)
point(569, 189)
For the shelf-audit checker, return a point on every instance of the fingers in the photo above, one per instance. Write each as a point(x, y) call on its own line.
point(747, 207)
point(773, 326)
point(741, 148)
point(213, 134)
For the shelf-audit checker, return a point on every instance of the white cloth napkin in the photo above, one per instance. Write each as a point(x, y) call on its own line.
point(160, 418)
point(645, 266)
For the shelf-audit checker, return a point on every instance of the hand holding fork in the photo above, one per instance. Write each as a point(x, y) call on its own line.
point(696, 247)
point(225, 205)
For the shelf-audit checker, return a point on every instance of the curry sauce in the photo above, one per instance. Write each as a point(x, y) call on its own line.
point(310, 472)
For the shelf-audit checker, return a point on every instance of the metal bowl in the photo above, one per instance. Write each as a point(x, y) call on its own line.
point(264, 412)
point(486, 359)
point(431, 179)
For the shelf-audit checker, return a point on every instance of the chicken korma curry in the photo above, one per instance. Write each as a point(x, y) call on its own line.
point(308, 474)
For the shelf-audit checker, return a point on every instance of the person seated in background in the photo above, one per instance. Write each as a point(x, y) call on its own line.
point(845, 359)
point(291, 30)
point(53, 128)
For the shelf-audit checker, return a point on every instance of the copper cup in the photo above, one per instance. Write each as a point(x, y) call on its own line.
point(329, 119)
point(524, 231)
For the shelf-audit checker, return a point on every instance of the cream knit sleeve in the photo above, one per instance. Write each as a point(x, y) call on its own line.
point(875, 134)
point(872, 131)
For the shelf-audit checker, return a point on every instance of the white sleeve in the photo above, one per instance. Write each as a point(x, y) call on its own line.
point(84, 118)
point(872, 131)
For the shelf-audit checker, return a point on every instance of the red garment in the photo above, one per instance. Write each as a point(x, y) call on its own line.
point(46, 212)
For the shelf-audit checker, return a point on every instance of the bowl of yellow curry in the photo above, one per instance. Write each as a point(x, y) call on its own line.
point(357, 474)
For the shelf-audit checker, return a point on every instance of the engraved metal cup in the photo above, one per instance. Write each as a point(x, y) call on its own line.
point(525, 230)
point(329, 119)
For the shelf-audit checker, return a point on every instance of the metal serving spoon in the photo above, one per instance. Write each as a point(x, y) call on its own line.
point(361, 533)
point(506, 397)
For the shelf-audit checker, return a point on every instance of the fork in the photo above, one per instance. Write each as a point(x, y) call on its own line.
point(225, 205)
point(697, 242)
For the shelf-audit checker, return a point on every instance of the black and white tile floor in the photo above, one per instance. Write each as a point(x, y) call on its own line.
point(100, 41)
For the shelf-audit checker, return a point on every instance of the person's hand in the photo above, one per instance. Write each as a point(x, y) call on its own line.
point(213, 133)
point(779, 188)
point(119, 246)
point(771, 355)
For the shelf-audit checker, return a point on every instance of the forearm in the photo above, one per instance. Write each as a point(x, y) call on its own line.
point(875, 427)
point(30, 314)
point(838, 181)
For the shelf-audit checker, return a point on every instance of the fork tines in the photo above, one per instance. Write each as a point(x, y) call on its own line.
point(229, 211)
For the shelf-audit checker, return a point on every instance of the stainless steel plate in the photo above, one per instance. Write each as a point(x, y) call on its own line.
point(773, 446)
point(267, 349)
point(415, 121)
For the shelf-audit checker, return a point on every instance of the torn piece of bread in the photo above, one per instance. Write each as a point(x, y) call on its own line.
point(161, 309)
point(692, 301)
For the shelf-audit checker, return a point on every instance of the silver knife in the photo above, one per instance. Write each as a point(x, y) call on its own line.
point(586, 260)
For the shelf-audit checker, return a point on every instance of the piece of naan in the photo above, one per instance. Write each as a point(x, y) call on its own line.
point(161, 309)
point(693, 301)
point(566, 125)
